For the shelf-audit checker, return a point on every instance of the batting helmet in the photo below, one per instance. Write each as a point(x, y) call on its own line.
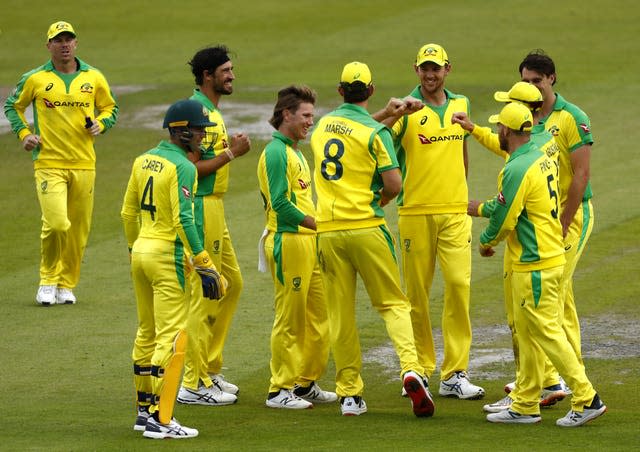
point(187, 113)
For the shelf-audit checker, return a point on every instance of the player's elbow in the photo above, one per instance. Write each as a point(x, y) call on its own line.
point(392, 183)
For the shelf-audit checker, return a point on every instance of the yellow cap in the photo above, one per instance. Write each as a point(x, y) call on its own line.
point(522, 92)
point(434, 53)
point(59, 27)
point(514, 116)
point(356, 72)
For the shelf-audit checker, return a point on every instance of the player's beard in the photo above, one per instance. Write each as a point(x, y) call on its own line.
point(504, 143)
point(223, 89)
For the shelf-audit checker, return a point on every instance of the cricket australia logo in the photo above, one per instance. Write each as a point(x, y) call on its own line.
point(555, 130)
point(216, 246)
point(407, 245)
point(43, 186)
point(86, 88)
point(296, 283)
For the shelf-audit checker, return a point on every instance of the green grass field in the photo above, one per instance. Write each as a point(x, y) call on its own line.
point(66, 371)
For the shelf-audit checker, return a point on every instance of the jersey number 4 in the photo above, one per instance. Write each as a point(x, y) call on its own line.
point(146, 203)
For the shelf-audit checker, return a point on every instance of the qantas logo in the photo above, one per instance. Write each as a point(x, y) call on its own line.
point(58, 103)
point(585, 128)
point(501, 199)
point(429, 140)
point(186, 192)
point(423, 139)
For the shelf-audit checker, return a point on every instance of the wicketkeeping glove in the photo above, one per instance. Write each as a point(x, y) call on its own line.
point(214, 286)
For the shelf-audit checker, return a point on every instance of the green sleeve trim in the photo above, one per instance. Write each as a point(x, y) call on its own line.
point(288, 215)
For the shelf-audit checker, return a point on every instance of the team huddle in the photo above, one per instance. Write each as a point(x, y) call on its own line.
point(186, 276)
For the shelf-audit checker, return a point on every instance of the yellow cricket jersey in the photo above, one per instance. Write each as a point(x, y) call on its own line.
point(350, 150)
point(61, 102)
point(158, 203)
point(285, 185)
point(539, 136)
point(215, 143)
point(527, 203)
point(430, 154)
point(571, 128)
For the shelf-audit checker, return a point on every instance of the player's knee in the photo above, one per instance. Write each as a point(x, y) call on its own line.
point(57, 224)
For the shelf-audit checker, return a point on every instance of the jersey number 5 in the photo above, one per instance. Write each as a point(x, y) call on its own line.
point(146, 203)
point(331, 167)
point(552, 195)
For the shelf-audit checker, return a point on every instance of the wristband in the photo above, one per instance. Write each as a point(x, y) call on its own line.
point(229, 154)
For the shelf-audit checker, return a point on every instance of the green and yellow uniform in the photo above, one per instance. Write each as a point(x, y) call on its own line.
point(433, 223)
point(64, 161)
point(210, 321)
point(571, 129)
point(350, 151)
point(158, 218)
point(526, 213)
point(545, 141)
point(300, 334)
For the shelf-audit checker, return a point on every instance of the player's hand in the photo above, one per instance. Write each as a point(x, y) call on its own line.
point(486, 251)
point(461, 118)
point(94, 128)
point(214, 285)
point(472, 208)
point(30, 141)
point(240, 144)
point(394, 108)
point(412, 105)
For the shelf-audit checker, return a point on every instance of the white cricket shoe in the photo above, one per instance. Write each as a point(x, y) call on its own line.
point(352, 406)
point(287, 399)
point(551, 395)
point(65, 296)
point(141, 419)
point(46, 295)
point(510, 387)
point(511, 417)
point(458, 385)
point(500, 405)
point(315, 394)
point(223, 385)
point(576, 419)
point(155, 430)
point(205, 396)
point(418, 392)
point(565, 387)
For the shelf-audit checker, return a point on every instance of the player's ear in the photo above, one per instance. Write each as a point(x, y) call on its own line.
point(341, 90)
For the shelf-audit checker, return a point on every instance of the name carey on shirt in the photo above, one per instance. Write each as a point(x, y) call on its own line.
point(152, 165)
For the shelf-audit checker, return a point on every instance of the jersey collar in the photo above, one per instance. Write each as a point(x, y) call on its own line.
point(279, 136)
point(82, 66)
point(203, 99)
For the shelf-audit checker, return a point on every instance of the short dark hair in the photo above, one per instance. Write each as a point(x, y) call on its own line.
point(208, 59)
point(290, 98)
point(537, 60)
point(355, 92)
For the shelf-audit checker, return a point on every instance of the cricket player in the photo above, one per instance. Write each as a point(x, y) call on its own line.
point(527, 204)
point(433, 220)
point(203, 381)
point(554, 388)
point(571, 129)
point(72, 104)
point(356, 171)
point(300, 334)
point(158, 219)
